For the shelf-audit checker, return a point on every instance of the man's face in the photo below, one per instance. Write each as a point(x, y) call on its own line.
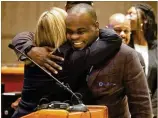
point(122, 27)
point(81, 30)
point(123, 30)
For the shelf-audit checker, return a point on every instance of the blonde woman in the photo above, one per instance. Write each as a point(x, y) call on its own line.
point(50, 31)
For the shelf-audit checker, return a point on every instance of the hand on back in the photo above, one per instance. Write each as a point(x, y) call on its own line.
point(44, 57)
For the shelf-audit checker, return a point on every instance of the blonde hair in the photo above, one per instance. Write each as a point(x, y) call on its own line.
point(51, 28)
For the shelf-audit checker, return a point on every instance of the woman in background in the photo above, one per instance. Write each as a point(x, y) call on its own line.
point(144, 40)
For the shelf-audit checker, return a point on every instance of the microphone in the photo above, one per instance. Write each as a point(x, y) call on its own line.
point(79, 107)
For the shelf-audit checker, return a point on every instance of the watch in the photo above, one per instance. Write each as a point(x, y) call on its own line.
point(28, 49)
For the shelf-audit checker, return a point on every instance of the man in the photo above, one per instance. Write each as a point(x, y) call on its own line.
point(23, 41)
point(121, 24)
point(113, 82)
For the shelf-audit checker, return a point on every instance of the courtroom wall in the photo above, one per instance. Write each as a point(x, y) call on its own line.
point(22, 16)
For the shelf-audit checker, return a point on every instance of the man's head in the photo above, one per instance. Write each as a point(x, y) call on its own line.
point(70, 4)
point(121, 25)
point(82, 26)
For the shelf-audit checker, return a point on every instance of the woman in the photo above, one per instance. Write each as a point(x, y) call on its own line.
point(50, 31)
point(143, 39)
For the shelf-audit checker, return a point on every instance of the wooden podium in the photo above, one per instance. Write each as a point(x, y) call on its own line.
point(95, 111)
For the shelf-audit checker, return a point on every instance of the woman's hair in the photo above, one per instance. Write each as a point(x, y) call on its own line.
point(51, 28)
point(149, 22)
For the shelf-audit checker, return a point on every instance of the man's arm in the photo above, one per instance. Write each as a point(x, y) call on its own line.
point(105, 48)
point(41, 55)
point(136, 88)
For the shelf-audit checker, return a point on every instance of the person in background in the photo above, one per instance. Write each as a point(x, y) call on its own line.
point(70, 4)
point(120, 83)
point(50, 32)
point(144, 40)
point(121, 24)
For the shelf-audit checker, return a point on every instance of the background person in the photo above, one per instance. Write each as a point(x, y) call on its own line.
point(121, 24)
point(144, 40)
point(70, 4)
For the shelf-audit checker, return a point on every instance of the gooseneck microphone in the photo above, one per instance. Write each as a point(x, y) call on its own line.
point(79, 107)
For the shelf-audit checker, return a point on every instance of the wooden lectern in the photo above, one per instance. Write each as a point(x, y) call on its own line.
point(95, 111)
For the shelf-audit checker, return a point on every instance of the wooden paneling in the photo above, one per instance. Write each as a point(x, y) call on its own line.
point(7, 55)
point(106, 9)
point(18, 16)
point(22, 16)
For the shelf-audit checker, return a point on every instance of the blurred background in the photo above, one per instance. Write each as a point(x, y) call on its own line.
point(22, 16)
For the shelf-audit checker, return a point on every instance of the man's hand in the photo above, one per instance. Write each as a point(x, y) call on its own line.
point(44, 57)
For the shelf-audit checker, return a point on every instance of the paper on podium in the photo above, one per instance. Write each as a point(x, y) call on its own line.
point(95, 111)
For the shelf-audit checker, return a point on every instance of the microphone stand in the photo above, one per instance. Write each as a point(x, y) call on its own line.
point(79, 107)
